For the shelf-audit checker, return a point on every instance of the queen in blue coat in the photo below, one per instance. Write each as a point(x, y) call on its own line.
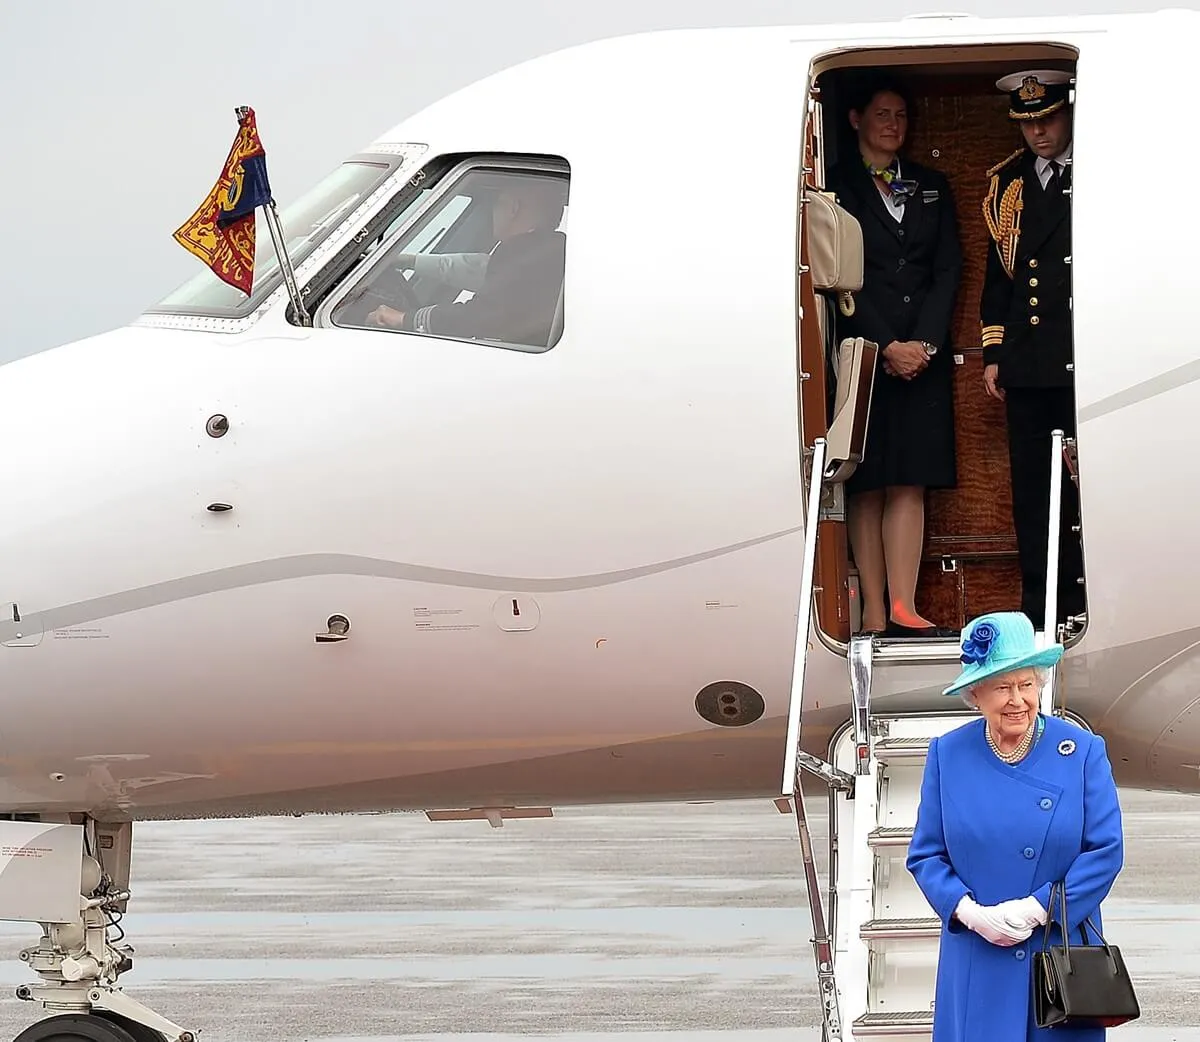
point(1010, 804)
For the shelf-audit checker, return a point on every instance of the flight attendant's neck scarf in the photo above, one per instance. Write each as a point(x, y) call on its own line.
point(900, 187)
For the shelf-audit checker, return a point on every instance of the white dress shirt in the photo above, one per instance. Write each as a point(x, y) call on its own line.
point(894, 203)
point(1042, 165)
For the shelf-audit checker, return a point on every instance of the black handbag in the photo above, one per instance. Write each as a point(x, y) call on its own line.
point(1083, 985)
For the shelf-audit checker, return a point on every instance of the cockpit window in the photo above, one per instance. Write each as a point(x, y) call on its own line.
point(484, 260)
point(306, 223)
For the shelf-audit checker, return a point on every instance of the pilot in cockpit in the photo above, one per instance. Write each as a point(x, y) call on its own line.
point(518, 282)
point(460, 270)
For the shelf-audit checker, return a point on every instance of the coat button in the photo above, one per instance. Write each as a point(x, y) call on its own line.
point(1033, 283)
point(1019, 954)
point(900, 232)
point(1028, 852)
point(908, 300)
point(902, 262)
point(1046, 803)
point(1033, 302)
point(1033, 262)
point(1034, 320)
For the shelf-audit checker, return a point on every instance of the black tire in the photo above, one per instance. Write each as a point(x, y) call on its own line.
point(77, 1027)
point(140, 1032)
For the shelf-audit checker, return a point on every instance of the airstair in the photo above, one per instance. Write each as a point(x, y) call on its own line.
point(875, 937)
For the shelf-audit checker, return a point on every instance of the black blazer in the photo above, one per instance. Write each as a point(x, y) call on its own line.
point(912, 268)
point(1025, 314)
point(517, 300)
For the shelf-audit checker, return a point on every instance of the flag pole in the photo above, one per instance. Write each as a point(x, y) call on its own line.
point(277, 240)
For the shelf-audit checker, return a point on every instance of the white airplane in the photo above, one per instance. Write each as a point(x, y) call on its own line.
point(262, 563)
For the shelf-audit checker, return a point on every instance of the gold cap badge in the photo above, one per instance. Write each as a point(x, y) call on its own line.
point(1031, 89)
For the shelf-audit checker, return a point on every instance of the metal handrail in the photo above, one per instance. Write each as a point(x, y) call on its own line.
point(822, 943)
point(803, 619)
point(1050, 618)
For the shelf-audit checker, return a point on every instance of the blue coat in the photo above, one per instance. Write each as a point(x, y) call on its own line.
point(999, 832)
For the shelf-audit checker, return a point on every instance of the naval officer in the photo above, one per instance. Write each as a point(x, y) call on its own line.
point(1025, 314)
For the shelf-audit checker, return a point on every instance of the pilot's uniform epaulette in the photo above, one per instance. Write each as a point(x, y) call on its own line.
point(1002, 210)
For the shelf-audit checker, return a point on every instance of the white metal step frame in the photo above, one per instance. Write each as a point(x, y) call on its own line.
point(796, 758)
point(886, 935)
point(804, 612)
point(1049, 631)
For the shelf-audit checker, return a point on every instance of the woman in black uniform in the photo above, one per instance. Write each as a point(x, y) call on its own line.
point(913, 263)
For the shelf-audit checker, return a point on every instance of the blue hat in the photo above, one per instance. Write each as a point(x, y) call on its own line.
point(1000, 643)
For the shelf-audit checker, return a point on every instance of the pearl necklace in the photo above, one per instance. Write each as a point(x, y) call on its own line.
point(1019, 752)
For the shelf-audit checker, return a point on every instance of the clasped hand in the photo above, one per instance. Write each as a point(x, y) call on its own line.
point(1005, 924)
point(905, 358)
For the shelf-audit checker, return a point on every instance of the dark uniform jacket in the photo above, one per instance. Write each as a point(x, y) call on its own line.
point(1025, 309)
point(517, 301)
point(912, 267)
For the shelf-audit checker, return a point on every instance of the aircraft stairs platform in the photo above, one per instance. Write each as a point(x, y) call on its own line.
point(875, 937)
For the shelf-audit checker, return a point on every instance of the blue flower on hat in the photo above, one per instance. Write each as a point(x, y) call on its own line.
point(978, 643)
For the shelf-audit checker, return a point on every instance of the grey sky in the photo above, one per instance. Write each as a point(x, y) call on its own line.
point(117, 115)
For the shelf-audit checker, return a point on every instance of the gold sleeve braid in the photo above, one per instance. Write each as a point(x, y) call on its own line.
point(1002, 213)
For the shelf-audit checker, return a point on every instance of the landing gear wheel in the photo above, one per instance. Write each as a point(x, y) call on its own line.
point(78, 1027)
point(140, 1032)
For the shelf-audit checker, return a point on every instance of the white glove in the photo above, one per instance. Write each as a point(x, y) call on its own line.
point(990, 924)
point(1023, 912)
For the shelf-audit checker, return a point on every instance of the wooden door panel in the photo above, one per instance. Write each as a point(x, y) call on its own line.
point(831, 580)
point(976, 585)
point(981, 506)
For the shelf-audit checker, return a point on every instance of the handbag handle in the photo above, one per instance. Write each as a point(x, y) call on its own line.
point(1061, 890)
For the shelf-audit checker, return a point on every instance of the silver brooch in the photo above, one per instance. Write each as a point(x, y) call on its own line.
point(1066, 747)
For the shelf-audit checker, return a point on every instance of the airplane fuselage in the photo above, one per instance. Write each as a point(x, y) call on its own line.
point(554, 565)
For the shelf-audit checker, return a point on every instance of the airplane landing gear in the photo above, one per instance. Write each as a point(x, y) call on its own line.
point(88, 1027)
point(79, 962)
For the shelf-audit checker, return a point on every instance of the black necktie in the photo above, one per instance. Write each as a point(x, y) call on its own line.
point(1054, 185)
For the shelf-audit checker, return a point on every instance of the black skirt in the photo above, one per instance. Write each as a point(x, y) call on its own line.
point(910, 431)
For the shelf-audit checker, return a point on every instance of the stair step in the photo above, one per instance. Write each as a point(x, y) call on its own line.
point(893, 929)
point(901, 750)
point(906, 1023)
point(916, 651)
point(889, 837)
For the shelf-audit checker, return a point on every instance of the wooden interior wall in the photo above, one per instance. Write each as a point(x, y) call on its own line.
point(960, 128)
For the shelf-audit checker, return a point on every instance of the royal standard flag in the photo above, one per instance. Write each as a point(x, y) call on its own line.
point(221, 231)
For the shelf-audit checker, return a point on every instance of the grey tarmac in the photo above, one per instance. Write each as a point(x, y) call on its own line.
point(650, 923)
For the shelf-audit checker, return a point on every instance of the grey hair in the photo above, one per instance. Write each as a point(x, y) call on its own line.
point(968, 693)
